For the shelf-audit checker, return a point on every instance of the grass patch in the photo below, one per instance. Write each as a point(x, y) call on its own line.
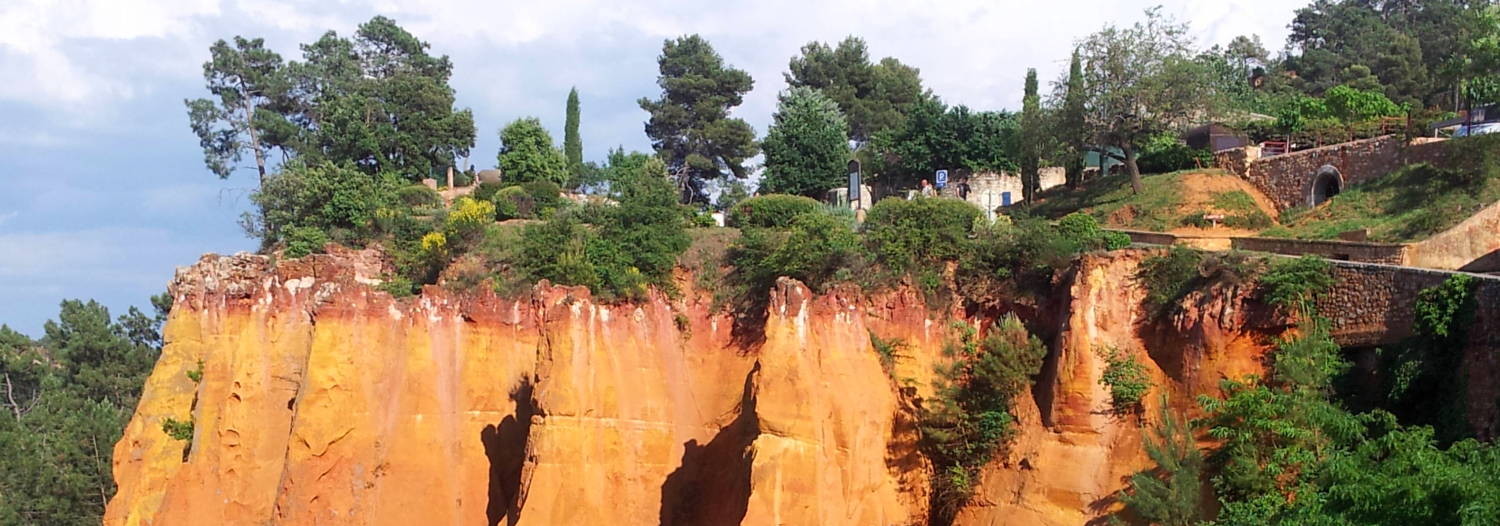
point(1111, 200)
point(1413, 203)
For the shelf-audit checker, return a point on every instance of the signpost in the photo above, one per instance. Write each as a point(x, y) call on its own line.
point(854, 184)
point(941, 180)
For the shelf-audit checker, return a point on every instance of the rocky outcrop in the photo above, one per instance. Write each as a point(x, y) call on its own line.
point(322, 400)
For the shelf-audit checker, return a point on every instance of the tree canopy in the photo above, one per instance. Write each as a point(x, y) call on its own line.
point(690, 126)
point(873, 96)
point(527, 154)
point(377, 100)
point(807, 146)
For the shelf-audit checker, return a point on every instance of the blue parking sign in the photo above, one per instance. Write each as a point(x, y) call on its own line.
point(941, 180)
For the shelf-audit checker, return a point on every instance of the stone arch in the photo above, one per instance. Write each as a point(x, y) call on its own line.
point(1326, 183)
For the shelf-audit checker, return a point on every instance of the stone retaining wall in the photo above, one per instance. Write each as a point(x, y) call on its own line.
point(1473, 245)
point(1373, 304)
point(1387, 253)
point(1288, 179)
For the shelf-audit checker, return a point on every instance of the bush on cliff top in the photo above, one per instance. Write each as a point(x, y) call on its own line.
point(770, 211)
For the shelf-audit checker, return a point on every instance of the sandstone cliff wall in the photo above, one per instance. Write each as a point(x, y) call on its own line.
point(324, 401)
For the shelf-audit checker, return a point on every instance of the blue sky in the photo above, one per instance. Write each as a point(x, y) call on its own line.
point(102, 188)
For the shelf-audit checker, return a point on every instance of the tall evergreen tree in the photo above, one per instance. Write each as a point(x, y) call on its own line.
point(572, 143)
point(872, 96)
point(1072, 128)
point(807, 146)
point(690, 126)
point(243, 78)
point(1032, 134)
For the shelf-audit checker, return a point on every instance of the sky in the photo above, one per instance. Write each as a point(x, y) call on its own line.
point(103, 191)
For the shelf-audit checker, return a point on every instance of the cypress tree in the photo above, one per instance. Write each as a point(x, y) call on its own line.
point(1031, 139)
point(1074, 133)
point(572, 143)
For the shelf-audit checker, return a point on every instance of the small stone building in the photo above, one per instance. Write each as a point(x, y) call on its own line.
point(991, 190)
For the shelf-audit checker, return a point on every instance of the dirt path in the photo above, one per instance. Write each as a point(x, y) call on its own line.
point(1198, 190)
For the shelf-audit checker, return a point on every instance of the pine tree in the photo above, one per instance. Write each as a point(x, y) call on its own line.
point(690, 126)
point(1031, 139)
point(1169, 495)
point(572, 143)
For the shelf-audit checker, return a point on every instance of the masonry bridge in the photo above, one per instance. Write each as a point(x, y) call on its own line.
point(1309, 177)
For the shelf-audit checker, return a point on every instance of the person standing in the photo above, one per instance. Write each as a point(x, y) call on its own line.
point(963, 188)
point(927, 190)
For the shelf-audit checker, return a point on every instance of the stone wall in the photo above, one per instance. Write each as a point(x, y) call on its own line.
point(987, 189)
point(1473, 245)
point(1372, 304)
point(1288, 179)
point(1387, 253)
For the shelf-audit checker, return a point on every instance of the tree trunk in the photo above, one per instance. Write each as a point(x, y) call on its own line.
point(1130, 165)
point(260, 154)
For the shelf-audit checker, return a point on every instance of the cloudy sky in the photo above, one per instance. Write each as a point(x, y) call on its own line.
point(102, 187)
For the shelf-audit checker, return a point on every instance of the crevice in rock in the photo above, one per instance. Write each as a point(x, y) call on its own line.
point(712, 485)
point(505, 446)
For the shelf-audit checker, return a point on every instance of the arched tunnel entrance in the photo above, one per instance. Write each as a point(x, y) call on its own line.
point(1326, 184)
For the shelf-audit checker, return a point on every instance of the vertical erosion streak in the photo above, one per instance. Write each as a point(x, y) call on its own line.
point(712, 485)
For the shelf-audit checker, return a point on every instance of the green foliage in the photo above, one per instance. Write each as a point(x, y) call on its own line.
point(377, 101)
point(622, 250)
point(807, 146)
point(64, 400)
point(467, 219)
point(336, 200)
point(512, 202)
point(1169, 277)
point(1126, 378)
point(969, 419)
point(304, 240)
point(1033, 140)
point(874, 96)
point(1072, 129)
point(1156, 207)
point(1170, 494)
point(177, 429)
point(1142, 81)
point(1296, 283)
point(1166, 152)
point(1353, 105)
point(887, 350)
point(814, 248)
point(690, 125)
point(419, 196)
point(907, 236)
point(526, 153)
point(1426, 376)
point(572, 141)
point(937, 137)
point(770, 211)
point(1240, 210)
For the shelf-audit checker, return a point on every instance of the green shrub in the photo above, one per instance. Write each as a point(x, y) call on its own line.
point(1296, 283)
point(467, 219)
point(1169, 277)
point(546, 197)
point(419, 195)
point(304, 240)
point(887, 350)
point(770, 211)
point(178, 429)
point(335, 199)
point(813, 250)
point(1126, 378)
point(512, 202)
point(921, 232)
point(486, 191)
point(969, 417)
point(1165, 152)
point(1083, 232)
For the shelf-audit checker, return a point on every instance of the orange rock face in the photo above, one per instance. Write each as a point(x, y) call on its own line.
point(324, 401)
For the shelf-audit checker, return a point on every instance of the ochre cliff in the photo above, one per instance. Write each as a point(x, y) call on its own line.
point(324, 401)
